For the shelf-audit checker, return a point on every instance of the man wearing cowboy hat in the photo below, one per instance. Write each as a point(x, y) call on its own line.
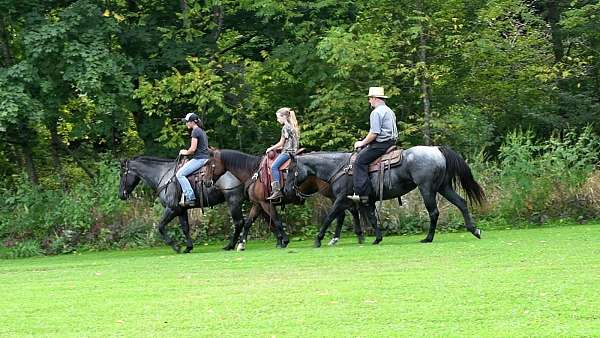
point(382, 135)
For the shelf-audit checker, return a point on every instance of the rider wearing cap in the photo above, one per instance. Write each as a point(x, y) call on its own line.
point(382, 135)
point(198, 151)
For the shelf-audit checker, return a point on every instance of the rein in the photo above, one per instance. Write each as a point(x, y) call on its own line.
point(160, 188)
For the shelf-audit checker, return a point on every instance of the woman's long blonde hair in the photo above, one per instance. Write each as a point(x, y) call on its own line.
point(290, 116)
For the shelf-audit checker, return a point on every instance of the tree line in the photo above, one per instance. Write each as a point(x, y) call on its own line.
point(84, 81)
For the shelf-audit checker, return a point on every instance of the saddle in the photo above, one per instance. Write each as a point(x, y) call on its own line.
point(196, 181)
point(391, 158)
point(265, 170)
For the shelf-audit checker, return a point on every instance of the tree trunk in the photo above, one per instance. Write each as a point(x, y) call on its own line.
point(30, 165)
point(553, 18)
point(55, 152)
point(7, 57)
point(425, 91)
point(218, 19)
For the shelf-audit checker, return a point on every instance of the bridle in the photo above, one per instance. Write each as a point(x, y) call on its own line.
point(124, 172)
point(334, 176)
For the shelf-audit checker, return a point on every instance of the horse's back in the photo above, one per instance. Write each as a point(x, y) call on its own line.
point(423, 162)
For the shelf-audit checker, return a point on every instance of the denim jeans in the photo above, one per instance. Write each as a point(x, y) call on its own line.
point(188, 168)
point(281, 158)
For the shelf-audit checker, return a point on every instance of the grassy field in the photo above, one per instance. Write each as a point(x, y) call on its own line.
point(533, 282)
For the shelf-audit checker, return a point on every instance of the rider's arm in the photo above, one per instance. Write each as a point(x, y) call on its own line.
point(277, 145)
point(368, 139)
point(192, 148)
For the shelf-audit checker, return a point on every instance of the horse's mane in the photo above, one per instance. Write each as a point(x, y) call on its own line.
point(152, 159)
point(237, 160)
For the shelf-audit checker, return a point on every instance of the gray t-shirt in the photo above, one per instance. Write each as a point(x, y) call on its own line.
point(290, 135)
point(383, 123)
point(202, 146)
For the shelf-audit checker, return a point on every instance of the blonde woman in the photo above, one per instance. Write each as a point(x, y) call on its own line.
point(288, 143)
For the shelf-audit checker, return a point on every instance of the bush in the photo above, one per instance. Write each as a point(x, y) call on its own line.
point(541, 180)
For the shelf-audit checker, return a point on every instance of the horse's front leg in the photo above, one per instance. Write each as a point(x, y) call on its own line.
point(369, 213)
point(167, 217)
point(339, 205)
point(357, 228)
point(185, 228)
point(338, 229)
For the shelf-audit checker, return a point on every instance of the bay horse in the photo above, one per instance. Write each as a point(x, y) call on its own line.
point(159, 174)
point(245, 168)
point(432, 169)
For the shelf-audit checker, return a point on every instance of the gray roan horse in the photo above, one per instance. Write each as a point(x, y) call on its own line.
point(159, 174)
point(432, 169)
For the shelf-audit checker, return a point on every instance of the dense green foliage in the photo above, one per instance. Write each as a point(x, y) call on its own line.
point(534, 282)
point(85, 82)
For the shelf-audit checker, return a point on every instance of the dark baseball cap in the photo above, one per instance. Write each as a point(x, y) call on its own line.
point(191, 117)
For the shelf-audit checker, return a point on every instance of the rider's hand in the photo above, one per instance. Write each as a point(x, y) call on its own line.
point(183, 152)
point(268, 150)
point(358, 144)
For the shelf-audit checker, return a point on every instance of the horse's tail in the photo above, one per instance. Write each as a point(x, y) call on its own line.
point(457, 167)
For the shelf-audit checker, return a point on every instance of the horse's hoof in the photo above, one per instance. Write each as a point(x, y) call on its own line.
point(284, 244)
point(241, 247)
point(377, 241)
point(426, 240)
point(176, 248)
point(188, 249)
point(361, 239)
point(229, 247)
point(317, 243)
point(477, 233)
point(334, 241)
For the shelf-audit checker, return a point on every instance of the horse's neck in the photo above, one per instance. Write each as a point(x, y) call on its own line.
point(324, 167)
point(153, 172)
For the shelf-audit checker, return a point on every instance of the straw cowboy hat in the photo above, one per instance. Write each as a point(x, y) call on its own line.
point(376, 92)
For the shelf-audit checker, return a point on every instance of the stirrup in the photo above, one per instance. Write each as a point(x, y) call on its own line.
point(358, 199)
point(275, 195)
point(354, 197)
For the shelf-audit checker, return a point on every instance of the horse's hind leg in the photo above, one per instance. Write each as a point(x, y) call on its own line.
point(254, 212)
point(461, 204)
point(185, 228)
point(167, 216)
point(273, 227)
point(429, 195)
point(235, 211)
point(282, 237)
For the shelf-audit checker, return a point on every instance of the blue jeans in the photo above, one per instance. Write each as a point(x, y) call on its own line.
point(281, 158)
point(188, 168)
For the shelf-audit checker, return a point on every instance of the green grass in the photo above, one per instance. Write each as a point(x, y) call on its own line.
point(532, 282)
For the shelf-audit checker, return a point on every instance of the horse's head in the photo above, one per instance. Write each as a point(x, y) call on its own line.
point(294, 177)
point(214, 167)
point(129, 180)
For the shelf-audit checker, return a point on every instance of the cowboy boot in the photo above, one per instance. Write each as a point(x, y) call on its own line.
point(276, 188)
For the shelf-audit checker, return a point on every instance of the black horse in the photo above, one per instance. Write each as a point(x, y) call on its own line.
point(159, 174)
point(432, 169)
point(245, 168)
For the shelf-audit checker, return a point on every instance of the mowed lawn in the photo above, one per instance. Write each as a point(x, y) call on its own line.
point(531, 282)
